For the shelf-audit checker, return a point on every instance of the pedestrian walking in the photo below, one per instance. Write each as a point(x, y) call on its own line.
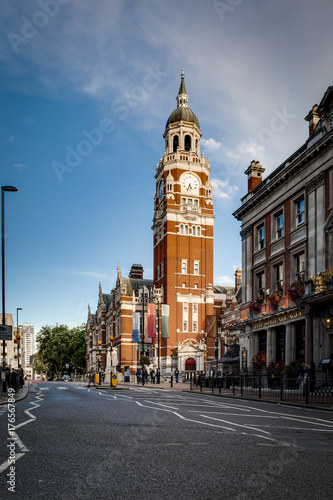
point(138, 376)
point(153, 375)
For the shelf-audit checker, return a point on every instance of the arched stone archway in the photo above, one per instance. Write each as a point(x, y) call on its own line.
point(190, 365)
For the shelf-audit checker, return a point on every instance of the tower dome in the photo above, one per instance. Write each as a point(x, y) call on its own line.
point(182, 112)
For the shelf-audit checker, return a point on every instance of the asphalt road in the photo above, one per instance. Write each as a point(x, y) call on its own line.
point(71, 442)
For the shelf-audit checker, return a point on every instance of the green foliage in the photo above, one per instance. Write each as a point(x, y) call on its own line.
point(57, 346)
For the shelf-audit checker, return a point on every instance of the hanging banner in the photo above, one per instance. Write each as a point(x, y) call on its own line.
point(148, 340)
point(211, 326)
point(165, 321)
point(151, 327)
point(136, 327)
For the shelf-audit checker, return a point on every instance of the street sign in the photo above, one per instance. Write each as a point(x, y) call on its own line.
point(5, 332)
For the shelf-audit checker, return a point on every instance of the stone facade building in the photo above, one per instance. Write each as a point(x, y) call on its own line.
point(287, 243)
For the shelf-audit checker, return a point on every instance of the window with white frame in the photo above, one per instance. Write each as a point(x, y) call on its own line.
point(181, 228)
point(184, 266)
point(196, 267)
point(195, 326)
point(261, 284)
point(198, 231)
point(162, 268)
point(195, 308)
point(300, 211)
point(261, 236)
point(278, 275)
point(158, 272)
point(279, 225)
point(186, 229)
point(300, 267)
point(185, 325)
point(194, 230)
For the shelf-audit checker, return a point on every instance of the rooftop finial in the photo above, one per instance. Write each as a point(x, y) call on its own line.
point(183, 74)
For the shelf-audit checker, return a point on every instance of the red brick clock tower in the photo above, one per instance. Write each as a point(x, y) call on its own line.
point(183, 240)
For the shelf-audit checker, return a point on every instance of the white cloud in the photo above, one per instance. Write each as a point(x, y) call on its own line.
point(211, 145)
point(92, 274)
point(222, 189)
point(224, 280)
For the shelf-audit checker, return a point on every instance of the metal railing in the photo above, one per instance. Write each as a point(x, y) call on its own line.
point(278, 388)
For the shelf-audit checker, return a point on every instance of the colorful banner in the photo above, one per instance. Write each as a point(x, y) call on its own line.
point(211, 326)
point(136, 327)
point(165, 321)
point(148, 340)
point(151, 328)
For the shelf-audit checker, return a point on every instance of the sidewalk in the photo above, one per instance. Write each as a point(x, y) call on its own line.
point(20, 394)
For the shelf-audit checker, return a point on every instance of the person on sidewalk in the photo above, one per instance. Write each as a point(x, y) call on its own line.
point(153, 375)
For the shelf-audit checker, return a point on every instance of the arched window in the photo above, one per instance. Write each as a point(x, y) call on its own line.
point(187, 142)
point(194, 230)
point(181, 229)
point(198, 231)
point(196, 146)
point(186, 229)
point(175, 143)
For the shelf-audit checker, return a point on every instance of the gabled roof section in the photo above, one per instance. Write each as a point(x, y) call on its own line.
point(326, 101)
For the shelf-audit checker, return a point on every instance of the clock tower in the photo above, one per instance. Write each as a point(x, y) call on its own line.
point(183, 241)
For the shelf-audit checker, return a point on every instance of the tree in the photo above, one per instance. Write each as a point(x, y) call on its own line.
point(77, 347)
point(58, 346)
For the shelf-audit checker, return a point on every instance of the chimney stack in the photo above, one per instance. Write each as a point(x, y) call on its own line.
point(254, 173)
point(136, 272)
point(238, 279)
point(313, 118)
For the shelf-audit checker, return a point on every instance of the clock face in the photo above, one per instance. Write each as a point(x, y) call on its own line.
point(190, 184)
point(161, 190)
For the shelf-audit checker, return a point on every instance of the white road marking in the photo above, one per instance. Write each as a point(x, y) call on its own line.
point(161, 404)
point(6, 464)
point(237, 425)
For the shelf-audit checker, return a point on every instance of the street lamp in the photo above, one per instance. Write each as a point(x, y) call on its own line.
point(3, 189)
point(99, 362)
point(18, 336)
point(111, 340)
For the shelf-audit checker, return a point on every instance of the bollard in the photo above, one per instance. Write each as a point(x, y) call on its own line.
point(171, 381)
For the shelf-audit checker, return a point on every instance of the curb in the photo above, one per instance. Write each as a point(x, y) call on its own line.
point(21, 394)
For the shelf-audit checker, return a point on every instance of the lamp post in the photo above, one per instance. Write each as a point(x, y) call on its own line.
point(99, 362)
point(143, 334)
point(111, 340)
point(18, 336)
point(3, 189)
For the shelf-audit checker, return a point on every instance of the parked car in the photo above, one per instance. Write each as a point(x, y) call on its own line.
point(65, 377)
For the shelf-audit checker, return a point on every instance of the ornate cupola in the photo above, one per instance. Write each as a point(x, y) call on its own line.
point(182, 129)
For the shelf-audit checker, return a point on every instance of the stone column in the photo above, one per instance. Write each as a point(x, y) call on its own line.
point(308, 339)
point(293, 342)
point(269, 346)
point(288, 354)
point(273, 345)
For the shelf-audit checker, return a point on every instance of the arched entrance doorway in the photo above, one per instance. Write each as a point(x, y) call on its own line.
point(190, 365)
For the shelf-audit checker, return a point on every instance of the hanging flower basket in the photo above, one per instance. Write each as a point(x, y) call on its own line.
point(258, 362)
point(296, 291)
point(256, 305)
point(274, 298)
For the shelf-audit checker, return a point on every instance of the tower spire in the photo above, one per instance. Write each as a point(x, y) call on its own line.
point(182, 97)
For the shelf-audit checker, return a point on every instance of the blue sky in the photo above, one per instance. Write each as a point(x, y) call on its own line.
point(100, 78)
